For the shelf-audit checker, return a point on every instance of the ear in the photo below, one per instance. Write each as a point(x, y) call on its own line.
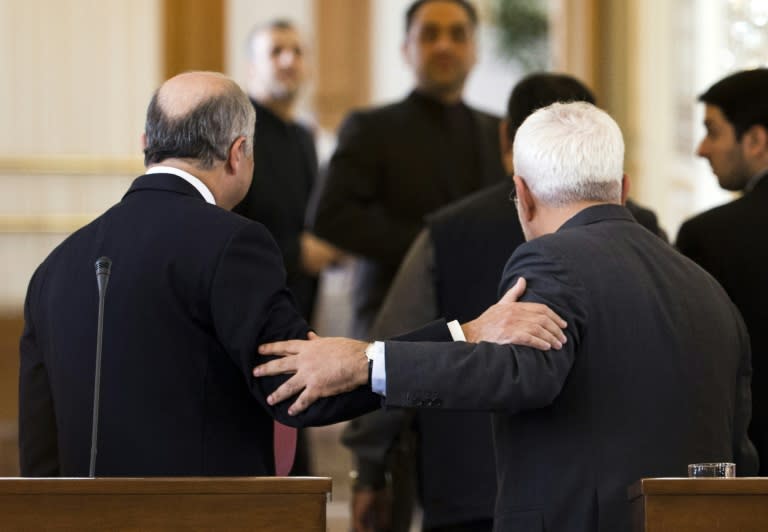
point(526, 207)
point(506, 147)
point(756, 140)
point(237, 155)
point(625, 185)
point(143, 141)
point(404, 48)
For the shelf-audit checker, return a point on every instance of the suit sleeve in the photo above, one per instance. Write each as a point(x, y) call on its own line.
point(351, 214)
point(251, 306)
point(38, 447)
point(493, 377)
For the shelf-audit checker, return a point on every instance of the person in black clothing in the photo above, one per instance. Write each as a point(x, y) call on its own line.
point(285, 170)
point(396, 163)
point(285, 162)
point(725, 240)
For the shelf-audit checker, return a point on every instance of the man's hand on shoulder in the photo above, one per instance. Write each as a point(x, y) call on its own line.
point(514, 322)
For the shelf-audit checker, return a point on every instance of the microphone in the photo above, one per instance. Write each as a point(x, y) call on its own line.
point(103, 270)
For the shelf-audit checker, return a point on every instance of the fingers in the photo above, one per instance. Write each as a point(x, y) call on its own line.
point(279, 366)
point(288, 389)
point(312, 335)
point(287, 347)
point(302, 402)
point(514, 293)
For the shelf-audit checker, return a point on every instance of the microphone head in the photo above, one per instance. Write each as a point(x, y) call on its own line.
point(103, 265)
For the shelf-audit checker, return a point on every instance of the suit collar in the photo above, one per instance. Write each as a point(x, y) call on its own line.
point(599, 213)
point(163, 183)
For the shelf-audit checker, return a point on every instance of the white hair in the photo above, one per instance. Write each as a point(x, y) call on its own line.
point(570, 152)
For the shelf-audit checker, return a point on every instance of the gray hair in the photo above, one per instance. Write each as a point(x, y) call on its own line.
point(205, 132)
point(570, 152)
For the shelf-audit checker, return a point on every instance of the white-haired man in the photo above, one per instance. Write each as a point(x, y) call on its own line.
point(654, 373)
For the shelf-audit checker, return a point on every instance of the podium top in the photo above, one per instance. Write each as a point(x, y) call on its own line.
point(699, 486)
point(167, 485)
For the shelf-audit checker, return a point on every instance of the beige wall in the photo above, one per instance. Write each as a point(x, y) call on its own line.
point(76, 78)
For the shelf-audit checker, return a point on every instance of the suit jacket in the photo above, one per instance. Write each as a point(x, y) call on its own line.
point(393, 165)
point(456, 275)
point(194, 290)
point(654, 375)
point(727, 242)
point(284, 176)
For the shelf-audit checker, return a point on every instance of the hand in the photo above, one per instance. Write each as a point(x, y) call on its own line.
point(317, 254)
point(371, 510)
point(512, 322)
point(321, 367)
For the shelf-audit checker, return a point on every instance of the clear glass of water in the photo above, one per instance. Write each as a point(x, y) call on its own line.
point(712, 469)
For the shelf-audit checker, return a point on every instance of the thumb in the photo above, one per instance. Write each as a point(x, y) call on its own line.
point(312, 335)
point(514, 293)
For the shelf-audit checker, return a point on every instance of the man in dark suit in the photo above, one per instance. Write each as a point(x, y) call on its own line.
point(452, 269)
point(654, 373)
point(396, 163)
point(727, 241)
point(194, 289)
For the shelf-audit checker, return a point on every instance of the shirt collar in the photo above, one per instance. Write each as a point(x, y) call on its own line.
point(204, 191)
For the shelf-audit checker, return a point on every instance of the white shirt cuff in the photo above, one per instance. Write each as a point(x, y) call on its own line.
point(454, 327)
point(379, 370)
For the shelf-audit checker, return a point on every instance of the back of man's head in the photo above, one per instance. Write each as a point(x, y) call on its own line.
point(569, 153)
point(539, 90)
point(742, 98)
point(196, 116)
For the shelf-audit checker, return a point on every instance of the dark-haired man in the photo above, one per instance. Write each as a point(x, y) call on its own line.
point(396, 163)
point(194, 289)
point(727, 240)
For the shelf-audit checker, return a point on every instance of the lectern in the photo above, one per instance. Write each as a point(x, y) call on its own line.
point(700, 505)
point(167, 504)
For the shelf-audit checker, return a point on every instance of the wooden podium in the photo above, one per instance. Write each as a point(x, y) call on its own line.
point(700, 504)
point(154, 504)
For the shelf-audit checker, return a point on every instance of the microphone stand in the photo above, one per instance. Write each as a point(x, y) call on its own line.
point(103, 270)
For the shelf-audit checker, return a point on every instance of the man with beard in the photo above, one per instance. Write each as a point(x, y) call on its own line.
point(285, 161)
point(394, 164)
point(723, 240)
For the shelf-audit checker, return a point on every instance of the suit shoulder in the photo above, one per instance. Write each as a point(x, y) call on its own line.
point(489, 201)
point(716, 216)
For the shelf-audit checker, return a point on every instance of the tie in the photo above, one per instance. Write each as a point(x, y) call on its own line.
point(285, 448)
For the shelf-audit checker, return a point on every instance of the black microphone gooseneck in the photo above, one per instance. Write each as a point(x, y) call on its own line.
point(103, 269)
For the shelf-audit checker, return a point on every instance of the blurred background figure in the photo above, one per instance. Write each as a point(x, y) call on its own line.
point(285, 171)
point(285, 161)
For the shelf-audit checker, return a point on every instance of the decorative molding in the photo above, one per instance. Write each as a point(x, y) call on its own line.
point(43, 223)
point(71, 165)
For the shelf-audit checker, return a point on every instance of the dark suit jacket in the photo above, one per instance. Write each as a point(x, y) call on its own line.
point(284, 176)
point(728, 242)
point(654, 376)
point(391, 168)
point(194, 290)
